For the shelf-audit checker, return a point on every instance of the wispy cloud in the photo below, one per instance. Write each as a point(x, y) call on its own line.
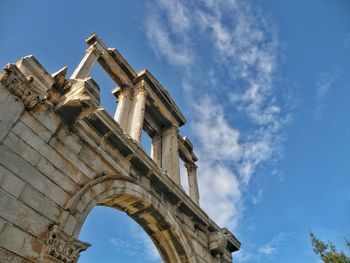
point(160, 36)
point(229, 52)
point(324, 84)
point(261, 253)
point(325, 81)
point(177, 14)
point(273, 245)
point(257, 198)
point(140, 247)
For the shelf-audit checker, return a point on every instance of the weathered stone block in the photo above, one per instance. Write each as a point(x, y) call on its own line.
point(9, 257)
point(11, 109)
point(17, 145)
point(11, 183)
point(19, 242)
point(29, 174)
point(40, 203)
point(22, 215)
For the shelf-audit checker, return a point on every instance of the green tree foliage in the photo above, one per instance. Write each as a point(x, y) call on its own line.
point(328, 252)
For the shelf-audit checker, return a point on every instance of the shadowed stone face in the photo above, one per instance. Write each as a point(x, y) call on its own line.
point(61, 155)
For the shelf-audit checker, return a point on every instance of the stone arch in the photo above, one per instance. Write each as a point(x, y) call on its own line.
point(147, 209)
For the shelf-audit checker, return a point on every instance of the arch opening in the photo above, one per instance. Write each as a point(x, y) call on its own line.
point(115, 237)
point(155, 217)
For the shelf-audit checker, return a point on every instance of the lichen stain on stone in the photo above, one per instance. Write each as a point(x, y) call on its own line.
point(36, 246)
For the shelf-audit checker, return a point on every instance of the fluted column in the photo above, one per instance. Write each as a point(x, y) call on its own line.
point(123, 108)
point(192, 181)
point(85, 66)
point(138, 112)
point(170, 154)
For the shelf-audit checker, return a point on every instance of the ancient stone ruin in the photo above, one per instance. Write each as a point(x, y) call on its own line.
point(62, 154)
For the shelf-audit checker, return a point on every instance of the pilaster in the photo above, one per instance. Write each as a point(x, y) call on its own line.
point(123, 96)
point(170, 154)
point(192, 181)
point(156, 150)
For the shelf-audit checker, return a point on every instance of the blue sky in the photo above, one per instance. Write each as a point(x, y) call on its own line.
point(265, 89)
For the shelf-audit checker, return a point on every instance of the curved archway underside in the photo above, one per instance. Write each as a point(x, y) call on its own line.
point(146, 209)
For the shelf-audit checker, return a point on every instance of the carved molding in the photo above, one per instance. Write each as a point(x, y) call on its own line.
point(219, 245)
point(191, 167)
point(141, 89)
point(19, 85)
point(82, 99)
point(62, 248)
point(98, 49)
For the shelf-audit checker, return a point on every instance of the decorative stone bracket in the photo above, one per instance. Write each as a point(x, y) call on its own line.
point(21, 86)
point(61, 248)
point(81, 100)
point(221, 244)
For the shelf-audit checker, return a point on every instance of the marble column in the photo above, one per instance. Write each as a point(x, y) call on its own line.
point(138, 113)
point(170, 154)
point(192, 181)
point(123, 108)
point(156, 150)
point(86, 65)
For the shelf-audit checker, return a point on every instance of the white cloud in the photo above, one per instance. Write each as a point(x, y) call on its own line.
point(243, 48)
point(220, 194)
point(176, 14)
point(219, 140)
point(162, 44)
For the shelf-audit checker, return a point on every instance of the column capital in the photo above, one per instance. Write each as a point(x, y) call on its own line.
point(123, 92)
point(141, 89)
point(190, 165)
point(170, 129)
point(21, 86)
point(98, 48)
point(62, 248)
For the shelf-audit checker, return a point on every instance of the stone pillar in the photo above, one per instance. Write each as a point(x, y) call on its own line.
point(192, 181)
point(156, 150)
point(123, 108)
point(138, 113)
point(85, 67)
point(170, 154)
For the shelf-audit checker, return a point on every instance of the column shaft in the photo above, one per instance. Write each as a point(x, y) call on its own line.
point(123, 108)
point(138, 113)
point(85, 66)
point(156, 150)
point(170, 154)
point(192, 182)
